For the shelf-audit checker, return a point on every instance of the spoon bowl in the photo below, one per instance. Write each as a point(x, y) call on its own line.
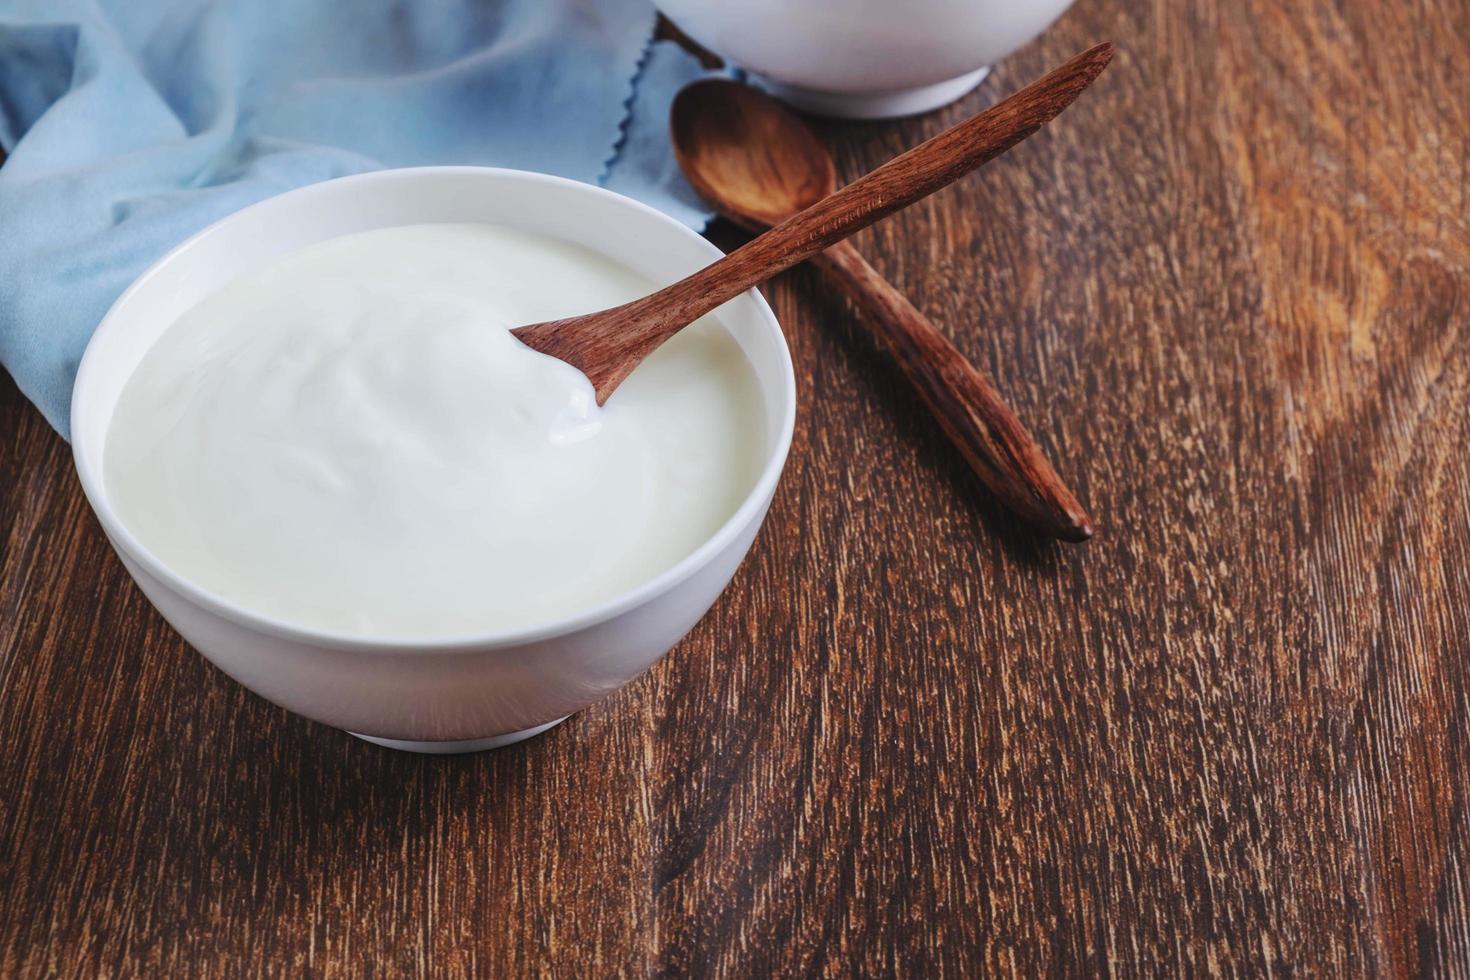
point(745, 153)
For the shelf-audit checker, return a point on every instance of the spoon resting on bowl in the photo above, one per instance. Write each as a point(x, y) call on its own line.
point(607, 345)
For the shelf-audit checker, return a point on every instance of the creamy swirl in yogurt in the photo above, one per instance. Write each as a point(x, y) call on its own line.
point(351, 439)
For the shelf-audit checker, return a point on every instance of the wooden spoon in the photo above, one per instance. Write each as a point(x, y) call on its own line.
point(608, 345)
point(758, 164)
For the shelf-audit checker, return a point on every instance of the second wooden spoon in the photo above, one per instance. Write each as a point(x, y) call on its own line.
point(758, 164)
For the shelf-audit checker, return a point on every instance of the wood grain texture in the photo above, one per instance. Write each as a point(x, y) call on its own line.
point(1228, 737)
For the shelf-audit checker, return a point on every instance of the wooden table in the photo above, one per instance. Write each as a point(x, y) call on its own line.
point(1230, 290)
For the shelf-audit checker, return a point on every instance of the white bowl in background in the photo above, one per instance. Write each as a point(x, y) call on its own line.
point(462, 693)
point(865, 59)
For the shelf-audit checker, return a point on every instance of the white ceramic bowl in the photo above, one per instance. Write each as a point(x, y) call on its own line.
point(865, 59)
point(431, 695)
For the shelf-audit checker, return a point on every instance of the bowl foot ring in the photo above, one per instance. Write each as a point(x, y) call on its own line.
point(462, 745)
point(875, 105)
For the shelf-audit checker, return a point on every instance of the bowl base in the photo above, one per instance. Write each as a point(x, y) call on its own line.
point(875, 105)
point(460, 746)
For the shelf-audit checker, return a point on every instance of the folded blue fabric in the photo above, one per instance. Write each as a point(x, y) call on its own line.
point(131, 124)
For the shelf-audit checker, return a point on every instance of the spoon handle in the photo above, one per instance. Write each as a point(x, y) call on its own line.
point(606, 346)
point(965, 403)
point(908, 177)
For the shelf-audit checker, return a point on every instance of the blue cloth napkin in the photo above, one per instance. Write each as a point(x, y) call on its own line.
point(131, 124)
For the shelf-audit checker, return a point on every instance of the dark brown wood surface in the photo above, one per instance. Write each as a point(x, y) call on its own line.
point(1230, 292)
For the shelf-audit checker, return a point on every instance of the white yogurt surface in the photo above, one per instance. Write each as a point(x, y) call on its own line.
point(352, 440)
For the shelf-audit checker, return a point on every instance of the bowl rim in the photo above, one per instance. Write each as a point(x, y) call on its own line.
point(749, 510)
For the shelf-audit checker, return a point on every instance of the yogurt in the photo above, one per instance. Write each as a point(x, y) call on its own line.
point(351, 439)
